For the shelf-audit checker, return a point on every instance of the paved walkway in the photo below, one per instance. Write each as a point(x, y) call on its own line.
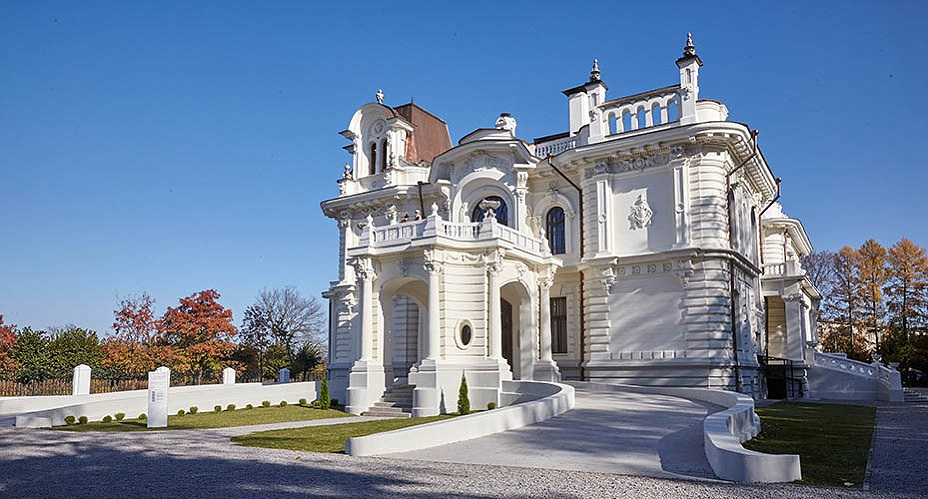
point(899, 459)
point(612, 432)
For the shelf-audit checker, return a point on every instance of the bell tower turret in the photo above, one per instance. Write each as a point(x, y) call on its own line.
point(689, 65)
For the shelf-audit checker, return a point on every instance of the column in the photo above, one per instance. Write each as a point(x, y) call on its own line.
point(544, 303)
point(433, 340)
point(365, 272)
point(496, 327)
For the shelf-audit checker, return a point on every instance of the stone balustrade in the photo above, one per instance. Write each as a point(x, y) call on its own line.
point(401, 234)
point(842, 363)
point(789, 268)
point(554, 147)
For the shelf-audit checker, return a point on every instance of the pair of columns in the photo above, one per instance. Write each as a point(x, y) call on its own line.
point(366, 276)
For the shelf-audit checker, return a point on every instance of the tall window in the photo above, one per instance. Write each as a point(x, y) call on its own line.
point(554, 229)
point(502, 213)
point(383, 154)
point(559, 325)
point(372, 167)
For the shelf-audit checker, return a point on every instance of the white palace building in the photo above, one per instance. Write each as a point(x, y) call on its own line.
point(644, 245)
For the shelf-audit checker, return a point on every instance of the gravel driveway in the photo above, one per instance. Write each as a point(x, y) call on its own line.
point(203, 463)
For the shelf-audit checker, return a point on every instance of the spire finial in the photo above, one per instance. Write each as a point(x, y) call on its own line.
point(379, 96)
point(690, 49)
point(594, 74)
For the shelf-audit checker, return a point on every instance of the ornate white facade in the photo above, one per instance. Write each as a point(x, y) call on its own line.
point(644, 245)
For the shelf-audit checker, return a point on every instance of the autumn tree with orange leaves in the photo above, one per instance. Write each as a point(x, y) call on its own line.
point(200, 331)
point(7, 343)
point(136, 347)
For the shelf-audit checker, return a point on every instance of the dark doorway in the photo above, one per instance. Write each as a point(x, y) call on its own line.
point(506, 321)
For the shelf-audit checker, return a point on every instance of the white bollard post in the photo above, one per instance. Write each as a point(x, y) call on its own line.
point(159, 381)
point(80, 382)
point(228, 376)
point(284, 376)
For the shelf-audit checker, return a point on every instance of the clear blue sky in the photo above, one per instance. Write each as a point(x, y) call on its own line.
point(171, 147)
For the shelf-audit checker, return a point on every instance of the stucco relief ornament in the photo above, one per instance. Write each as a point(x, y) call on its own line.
point(391, 214)
point(677, 151)
point(601, 166)
point(552, 190)
point(379, 96)
point(641, 214)
point(607, 277)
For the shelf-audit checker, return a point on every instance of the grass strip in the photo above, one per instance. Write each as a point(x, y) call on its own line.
point(832, 440)
point(329, 438)
point(211, 419)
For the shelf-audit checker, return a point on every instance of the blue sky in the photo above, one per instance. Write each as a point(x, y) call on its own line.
point(171, 147)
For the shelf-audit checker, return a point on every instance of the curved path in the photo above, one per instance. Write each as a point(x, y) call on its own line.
point(627, 433)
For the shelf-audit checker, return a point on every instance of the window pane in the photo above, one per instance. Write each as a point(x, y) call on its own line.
point(554, 228)
point(559, 325)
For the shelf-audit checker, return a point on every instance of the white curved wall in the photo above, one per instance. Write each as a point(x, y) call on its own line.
point(534, 401)
point(723, 433)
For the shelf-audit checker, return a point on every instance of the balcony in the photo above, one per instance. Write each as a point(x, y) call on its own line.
point(434, 231)
point(783, 269)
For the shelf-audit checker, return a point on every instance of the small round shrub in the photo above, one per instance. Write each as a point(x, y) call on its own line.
point(266, 403)
point(333, 402)
point(70, 420)
point(249, 406)
point(181, 412)
point(491, 406)
point(194, 409)
point(142, 417)
point(302, 401)
point(230, 407)
point(120, 416)
point(283, 403)
point(82, 420)
point(107, 418)
point(218, 408)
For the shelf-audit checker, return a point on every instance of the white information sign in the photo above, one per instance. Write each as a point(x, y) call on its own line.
point(158, 382)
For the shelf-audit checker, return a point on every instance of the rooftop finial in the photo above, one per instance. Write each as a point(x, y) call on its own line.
point(594, 74)
point(379, 96)
point(690, 49)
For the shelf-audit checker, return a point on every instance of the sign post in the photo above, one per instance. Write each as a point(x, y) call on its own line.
point(158, 382)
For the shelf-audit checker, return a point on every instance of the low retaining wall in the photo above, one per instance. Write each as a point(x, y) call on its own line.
point(536, 401)
point(723, 433)
point(135, 402)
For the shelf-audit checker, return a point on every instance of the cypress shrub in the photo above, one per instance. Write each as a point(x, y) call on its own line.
point(463, 400)
point(324, 401)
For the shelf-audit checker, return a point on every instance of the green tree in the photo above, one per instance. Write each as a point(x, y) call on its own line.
point(71, 346)
point(306, 359)
point(31, 355)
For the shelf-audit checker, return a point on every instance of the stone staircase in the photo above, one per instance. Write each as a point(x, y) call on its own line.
point(913, 396)
point(395, 403)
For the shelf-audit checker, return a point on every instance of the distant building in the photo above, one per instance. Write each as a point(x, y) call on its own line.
point(642, 245)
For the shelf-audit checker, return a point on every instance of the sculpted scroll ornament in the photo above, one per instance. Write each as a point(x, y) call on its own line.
point(430, 261)
point(364, 269)
point(641, 213)
point(607, 277)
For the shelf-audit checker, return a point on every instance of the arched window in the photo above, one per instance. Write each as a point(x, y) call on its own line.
point(383, 154)
point(613, 124)
point(656, 113)
point(672, 110)
point(554, 229)
point(372, 167)
point(642, 118)
point(626, 121)
point(502, 213)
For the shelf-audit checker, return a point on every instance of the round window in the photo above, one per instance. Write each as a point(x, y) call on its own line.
point(466, 334)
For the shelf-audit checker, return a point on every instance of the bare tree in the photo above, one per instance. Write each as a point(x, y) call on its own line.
point(287, 318)
point(820, 268)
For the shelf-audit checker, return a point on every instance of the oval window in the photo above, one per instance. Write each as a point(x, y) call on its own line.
point(466, 334)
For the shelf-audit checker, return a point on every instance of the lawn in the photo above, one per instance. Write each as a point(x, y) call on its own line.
point(210, 419)
point(329, 438)
point(833, 441)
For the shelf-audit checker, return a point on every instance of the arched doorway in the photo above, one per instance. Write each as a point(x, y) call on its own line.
point(518, 328)
point(401, 326)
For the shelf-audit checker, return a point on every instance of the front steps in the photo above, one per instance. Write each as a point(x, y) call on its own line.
point(911, 396)
point(395, 403)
